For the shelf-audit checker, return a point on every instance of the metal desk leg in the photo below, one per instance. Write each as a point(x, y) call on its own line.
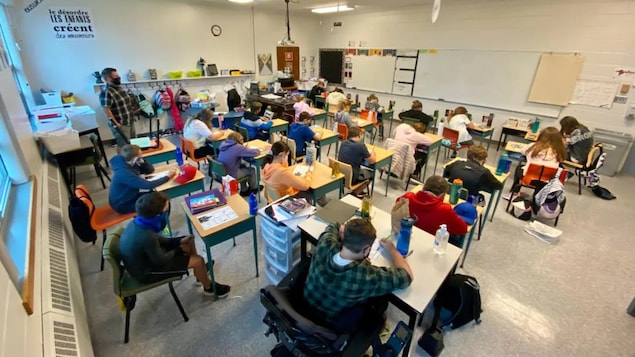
point(425, 166)
point(253, 230)
point(372, 183)
point(489, 141)
point(467, 245)
point(489, 206)
point(101, 147)
point(500, 139)
point(257, 168)
point(388, 178)
point(210, 268)
point(437, 161)
point(498, 198)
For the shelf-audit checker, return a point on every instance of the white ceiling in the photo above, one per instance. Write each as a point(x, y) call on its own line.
point(305, 6)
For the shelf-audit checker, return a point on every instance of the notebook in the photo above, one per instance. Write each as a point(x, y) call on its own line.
point(336, 211)
point(205, 201)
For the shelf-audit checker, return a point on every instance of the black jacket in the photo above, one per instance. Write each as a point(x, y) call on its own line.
point(315, 91)
point(475, 177)
point(417, 114)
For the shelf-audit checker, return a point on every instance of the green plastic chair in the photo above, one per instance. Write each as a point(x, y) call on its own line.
point(125, 286)
point(243, 132)
point(216, 170)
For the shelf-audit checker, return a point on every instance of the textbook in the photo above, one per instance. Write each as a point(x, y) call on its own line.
point(293, 205)
point(205, 201)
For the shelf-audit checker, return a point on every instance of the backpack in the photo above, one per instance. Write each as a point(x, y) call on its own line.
point(162, 99)
point(233, 99)
point(182, 99)
point(549, 199)
point(460, 295)
point(80, 214)
point(521, 207)
point(134, 101)
point(147, 111)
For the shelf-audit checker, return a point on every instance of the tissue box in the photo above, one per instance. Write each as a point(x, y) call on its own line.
point(230, 185)
point(82, 117)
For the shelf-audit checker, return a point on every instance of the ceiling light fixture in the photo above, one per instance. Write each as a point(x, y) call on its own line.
point(241, 1)
point(329, 9)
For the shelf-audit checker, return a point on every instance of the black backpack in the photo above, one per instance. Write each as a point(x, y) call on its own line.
point(80, 214)
point(460, 295)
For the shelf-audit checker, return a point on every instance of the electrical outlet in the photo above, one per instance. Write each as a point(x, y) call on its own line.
point(620, 100)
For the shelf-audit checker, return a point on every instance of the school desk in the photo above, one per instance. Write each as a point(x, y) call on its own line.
point(483, 133)
point(383, 158)
point(165, 154)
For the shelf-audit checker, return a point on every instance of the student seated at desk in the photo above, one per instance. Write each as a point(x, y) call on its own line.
point(300, 131)
point(128, 165)
point(149, 257)
point(316, 91)
point(279, 176)
point(474, 175)
point(430, 209)
point(414, 135)
point(372, 104)
point(343, 115)
point(257, 126)
point(579, 139)
point(343, 285)
point(335, 97)
point(300, 106)
point(354, 152)
point(548, 150)
point(199, 131)
point(231, 153)
point(460, 122)
point(416, 112)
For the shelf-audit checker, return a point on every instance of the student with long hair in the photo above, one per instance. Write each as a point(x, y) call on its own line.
point(548, 150)
point(300, 106)
point(460, 122)
point(343, 115)
point(198, 130)
point(231, 153)
point(579, 139)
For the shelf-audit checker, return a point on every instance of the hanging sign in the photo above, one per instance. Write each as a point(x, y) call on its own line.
point(72, 24)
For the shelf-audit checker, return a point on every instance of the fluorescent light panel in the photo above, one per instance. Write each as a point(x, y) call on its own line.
point(329, 9)
point(241, 1)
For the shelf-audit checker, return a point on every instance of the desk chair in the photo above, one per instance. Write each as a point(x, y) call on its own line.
point(90, 156)
point(187, 147)
point(347, 171)
point(296, 325)
point(292, 147)
point(216, 170)
point(403, 162)
point(453, 136)
point(242, 131)
point(101, 218)
point(271, 194)
point(126, 287)
point(535, 177)
point(583, 169)
point(342, 130)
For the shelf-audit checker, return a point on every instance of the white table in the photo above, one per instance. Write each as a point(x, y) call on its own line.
point(429, 268)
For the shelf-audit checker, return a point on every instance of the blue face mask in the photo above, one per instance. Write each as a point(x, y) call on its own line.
point(155, 224)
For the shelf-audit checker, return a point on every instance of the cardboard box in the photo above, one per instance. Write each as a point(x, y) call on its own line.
point(59, 141)
point(52, 98)
point(82, 117)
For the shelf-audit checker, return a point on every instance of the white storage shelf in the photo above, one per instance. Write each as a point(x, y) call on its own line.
point(97, 86)
point(282, 248)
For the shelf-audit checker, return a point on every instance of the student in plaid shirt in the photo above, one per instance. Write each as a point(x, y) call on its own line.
point(117, 106)
point(342, 282)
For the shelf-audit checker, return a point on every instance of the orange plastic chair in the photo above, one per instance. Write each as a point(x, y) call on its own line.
point(453, 136)
point(187, 147)
point(364, 114)
point(103, 217)
point(342, 129)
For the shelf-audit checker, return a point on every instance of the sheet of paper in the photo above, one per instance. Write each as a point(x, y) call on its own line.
point(158, 175)
point(594, 93)
point(143, 142)
point(271, 96)
point(301, 170)
point(217, 217)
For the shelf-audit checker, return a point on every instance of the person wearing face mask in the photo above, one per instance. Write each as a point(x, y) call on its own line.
point(117, 105)
point(343, 285)
point(149, 257)
point(128, 165)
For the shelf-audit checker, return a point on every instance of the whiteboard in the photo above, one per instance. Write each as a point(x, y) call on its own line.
point(496, 79)
point(372, 73)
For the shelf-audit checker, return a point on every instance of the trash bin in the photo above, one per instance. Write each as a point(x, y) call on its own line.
point(615, 145)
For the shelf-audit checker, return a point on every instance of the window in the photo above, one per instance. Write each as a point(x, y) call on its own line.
point(5, 185)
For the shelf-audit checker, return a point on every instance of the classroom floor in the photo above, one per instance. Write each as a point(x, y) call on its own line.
point(567, 299)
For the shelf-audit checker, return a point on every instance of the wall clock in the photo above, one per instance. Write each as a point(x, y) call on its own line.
point(216, 30)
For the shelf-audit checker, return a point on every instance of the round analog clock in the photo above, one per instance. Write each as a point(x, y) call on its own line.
point(216, 30)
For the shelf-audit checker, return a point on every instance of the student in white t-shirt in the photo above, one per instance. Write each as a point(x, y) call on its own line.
point(198, 130)
point(460, 122)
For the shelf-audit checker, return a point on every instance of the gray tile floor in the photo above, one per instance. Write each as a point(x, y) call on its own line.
point(567, 299)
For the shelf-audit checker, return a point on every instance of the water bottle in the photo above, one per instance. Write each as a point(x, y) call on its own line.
point(221, 121)
point(403, 241)
point(502, 163)
point(179, 156)
point(311, 153)
point(440, 128)
point(455, 189)
point(535, 126)
point(367, 203)
point(253, 204)
point(435, 115)
point(357, 100)
point(441, 239)
point(508, 163)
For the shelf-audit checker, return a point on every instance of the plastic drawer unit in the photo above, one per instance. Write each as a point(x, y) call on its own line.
point(282, 248)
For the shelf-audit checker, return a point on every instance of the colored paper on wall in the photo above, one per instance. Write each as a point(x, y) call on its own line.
point(362, 52)
point(351, 51)
point(392, 52)
point(375, 52)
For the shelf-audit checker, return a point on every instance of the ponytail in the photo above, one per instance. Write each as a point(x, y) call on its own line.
point(276, 149)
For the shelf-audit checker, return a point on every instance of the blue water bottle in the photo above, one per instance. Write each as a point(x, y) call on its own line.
point(403, 241)
point(502, 164)
point(253, 204)
point(179, 156)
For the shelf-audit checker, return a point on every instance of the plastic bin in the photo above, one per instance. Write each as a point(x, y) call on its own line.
point(615, 146)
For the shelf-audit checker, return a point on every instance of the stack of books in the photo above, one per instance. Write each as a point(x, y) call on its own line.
point(205, 201)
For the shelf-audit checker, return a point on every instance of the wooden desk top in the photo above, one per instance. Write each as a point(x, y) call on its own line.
point(326, 133)
point(318, 111)
point(491, 169)
point(321, 175)
point(516, 128)
point(531, 136)
point(167, 146)
point(279, 122)
point(514, 146)
point(226, 133)
point(482, 130)
point(434, 137)
point(263, 146)
point(237, 203)
point(362, 123)
point(171, 184)
point(381, 153)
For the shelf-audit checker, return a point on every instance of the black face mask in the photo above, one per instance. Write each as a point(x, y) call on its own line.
point(116, 81)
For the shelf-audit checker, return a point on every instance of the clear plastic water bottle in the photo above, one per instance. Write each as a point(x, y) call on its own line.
point(441, 239)
point(253, 204)
point(440, 127)
point(405, 232)
point(179, 156)
point(308, 158)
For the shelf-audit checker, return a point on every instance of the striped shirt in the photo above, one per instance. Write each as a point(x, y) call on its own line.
point(119, 102)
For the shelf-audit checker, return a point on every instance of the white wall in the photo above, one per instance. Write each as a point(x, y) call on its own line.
point(142, 34)
point(600, 29)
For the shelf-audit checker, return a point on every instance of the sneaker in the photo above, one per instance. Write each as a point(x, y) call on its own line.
point(245, 193)
point(221, 289)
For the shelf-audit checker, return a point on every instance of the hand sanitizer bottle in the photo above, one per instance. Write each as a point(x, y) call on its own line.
point(441, 240)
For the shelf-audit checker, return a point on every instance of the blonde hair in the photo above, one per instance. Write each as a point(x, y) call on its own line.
point(549, 138)
point(344, 104)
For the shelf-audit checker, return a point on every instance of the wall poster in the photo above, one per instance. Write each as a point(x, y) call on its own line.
point(72, 23)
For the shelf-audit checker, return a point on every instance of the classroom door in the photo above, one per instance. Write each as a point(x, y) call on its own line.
point(289, 56)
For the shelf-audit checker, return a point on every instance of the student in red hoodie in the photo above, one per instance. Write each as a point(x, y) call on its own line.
point(430, 209)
